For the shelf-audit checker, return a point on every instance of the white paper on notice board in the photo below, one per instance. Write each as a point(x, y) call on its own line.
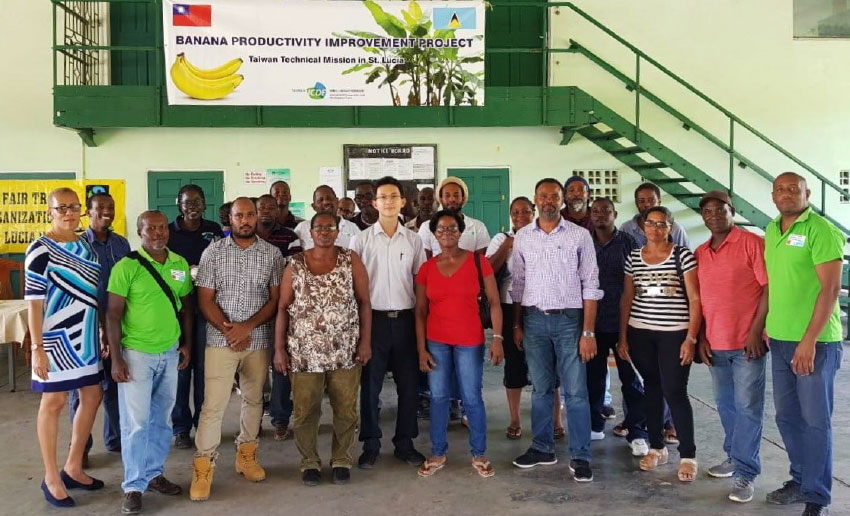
point(356, 169)
point(423, 162)
point(332, 176)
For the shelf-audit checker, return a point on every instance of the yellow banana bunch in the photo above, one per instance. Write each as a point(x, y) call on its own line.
point(206, 84)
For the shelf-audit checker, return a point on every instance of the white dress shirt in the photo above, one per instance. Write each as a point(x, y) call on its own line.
point(391, 263)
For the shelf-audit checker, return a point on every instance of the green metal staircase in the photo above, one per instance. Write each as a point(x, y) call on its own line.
point(657, 162)
point(652, 160)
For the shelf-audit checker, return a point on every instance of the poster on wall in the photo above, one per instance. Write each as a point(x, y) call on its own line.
point(324, 52)
point(413, 163)
point(23, 212)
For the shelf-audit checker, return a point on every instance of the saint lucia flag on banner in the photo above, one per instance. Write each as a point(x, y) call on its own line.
point(454, 18)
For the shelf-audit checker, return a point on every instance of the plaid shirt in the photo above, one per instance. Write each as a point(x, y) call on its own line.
point(241, 279)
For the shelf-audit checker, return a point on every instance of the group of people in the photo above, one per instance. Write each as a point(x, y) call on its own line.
point(333, 305)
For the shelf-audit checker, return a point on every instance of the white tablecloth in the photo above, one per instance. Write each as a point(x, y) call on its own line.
point(13, 320)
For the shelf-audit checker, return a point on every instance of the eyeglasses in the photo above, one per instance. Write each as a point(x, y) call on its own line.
point(393, 197)
point(197, 203)
point(65, 208)
point(446, 229)
point(324, 229)
point(656, 225)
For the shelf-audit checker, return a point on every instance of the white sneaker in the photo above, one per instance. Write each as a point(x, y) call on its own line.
point(597, 436)
point(639, 447)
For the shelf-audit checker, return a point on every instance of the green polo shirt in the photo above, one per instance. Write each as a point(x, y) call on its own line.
point(793, 285)
point(149, 324)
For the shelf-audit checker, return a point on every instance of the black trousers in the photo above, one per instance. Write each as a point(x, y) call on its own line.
point(516, 369)
point(656, 356)
point(393, 349)
point(633, 395)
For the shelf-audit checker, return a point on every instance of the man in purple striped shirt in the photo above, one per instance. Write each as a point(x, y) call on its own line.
point(555, 290)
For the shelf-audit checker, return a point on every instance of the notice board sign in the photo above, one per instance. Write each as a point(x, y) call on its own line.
point(409, 163)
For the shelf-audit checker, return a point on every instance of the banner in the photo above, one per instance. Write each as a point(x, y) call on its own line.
point(324, 52)
point(23, 212)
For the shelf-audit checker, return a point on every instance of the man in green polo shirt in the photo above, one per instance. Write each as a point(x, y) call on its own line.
point(803, 254)
point(143, 324)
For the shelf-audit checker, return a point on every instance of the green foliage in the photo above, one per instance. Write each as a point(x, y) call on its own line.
point(435, 76)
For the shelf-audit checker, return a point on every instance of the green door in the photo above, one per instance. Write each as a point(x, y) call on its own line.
point(489, 196)
point(163, 188)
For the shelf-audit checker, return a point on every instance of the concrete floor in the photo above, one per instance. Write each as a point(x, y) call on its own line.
point(394, 488)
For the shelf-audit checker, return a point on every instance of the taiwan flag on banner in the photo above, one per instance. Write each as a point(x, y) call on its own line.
point(192, 15)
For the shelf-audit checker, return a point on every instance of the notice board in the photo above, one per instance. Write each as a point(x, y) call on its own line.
point(409, 163)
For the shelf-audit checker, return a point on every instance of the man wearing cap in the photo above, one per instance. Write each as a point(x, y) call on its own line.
point(576, 202)
point(648, 195)
point(733, 295)
point(453, 195)
point(803, 253)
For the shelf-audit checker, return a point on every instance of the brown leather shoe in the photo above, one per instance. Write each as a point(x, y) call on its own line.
point(282, 432)
point(162, 485)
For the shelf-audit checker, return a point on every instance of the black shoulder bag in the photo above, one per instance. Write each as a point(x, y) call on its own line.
point(677, 257)
point(134, 255)
point(483, 302)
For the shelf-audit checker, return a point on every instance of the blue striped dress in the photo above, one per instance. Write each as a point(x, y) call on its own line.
point(64, 275)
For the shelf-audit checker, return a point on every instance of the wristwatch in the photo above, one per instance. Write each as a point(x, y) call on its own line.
point(588, 333)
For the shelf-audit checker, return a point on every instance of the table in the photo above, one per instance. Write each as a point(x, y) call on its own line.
point(13, 329)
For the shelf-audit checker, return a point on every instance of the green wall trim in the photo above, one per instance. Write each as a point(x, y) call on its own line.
point(92, 107)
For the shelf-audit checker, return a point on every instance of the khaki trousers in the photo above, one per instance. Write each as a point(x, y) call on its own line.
point(307, 392)
point(220, 366)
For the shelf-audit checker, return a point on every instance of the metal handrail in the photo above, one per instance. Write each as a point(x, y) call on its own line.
point(733, 119)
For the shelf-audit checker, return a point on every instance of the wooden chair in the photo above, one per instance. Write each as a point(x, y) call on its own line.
point(6, 269)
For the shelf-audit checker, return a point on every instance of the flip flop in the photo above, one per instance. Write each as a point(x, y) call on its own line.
point(513, 432)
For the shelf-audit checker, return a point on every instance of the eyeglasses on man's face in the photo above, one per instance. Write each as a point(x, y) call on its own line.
point(65, 208)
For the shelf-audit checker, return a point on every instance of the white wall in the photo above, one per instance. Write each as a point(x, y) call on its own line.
point(740, 53)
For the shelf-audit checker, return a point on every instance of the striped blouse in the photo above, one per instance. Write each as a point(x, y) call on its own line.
point(660, 302)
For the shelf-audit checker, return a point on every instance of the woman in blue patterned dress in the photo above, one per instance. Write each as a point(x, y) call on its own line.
point(61, 287)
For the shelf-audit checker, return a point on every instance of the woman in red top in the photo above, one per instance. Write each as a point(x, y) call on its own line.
point(447, 320)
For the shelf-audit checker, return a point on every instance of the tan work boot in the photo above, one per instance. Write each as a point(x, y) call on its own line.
point(202, 477)
point(246, 462)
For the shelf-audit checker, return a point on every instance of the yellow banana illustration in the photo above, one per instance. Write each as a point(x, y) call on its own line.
point(200, 88)
point(220, 72)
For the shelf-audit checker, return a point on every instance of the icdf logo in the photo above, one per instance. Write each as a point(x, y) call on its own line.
point(317, 92)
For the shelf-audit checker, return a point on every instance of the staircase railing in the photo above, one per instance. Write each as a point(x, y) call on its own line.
point(735, 122)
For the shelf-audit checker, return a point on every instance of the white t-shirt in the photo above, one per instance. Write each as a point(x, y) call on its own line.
point(473, 238)
point(505, 287)
point(347, 231)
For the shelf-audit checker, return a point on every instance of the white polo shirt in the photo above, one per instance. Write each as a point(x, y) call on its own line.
point(473, 238)
point(391, 263)
point(347, 231)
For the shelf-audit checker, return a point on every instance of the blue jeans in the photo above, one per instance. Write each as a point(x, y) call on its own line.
point(551, 349)
point(191, 378)
point(111, 421)
point(280, 401)
point(466, 365)
point(739, 393)
point(804, 415)
point(146, 402)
